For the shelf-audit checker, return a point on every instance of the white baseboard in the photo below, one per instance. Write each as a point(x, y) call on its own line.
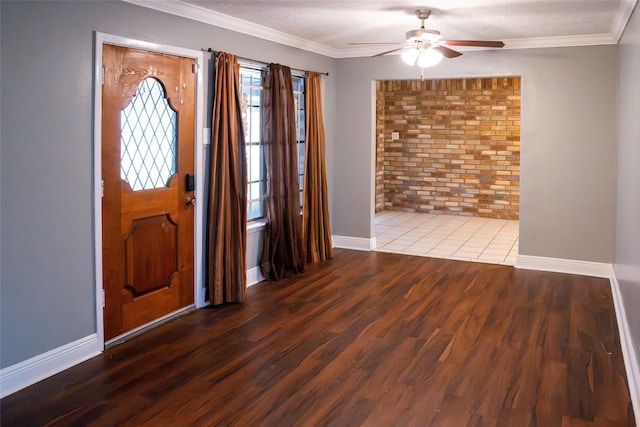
point(37, 368)
point(28, 372)
point(631, 363)
point(357, 243)
point(254, 276)
point(604, 270)
point(559, 265)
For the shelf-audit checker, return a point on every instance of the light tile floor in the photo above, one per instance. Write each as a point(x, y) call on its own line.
point(493, 241)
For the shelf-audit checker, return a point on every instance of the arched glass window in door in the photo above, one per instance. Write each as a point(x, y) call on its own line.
point(148, 138)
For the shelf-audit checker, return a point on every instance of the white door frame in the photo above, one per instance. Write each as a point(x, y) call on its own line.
point(103, 38)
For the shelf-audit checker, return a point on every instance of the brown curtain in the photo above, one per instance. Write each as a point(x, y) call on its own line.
point(315, 214)
point(283, 248)
point(227, 209)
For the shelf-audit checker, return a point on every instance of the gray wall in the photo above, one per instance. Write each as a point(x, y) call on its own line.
point(46, 270)
point(627, 254)
point(47, 288)
point(568, 128)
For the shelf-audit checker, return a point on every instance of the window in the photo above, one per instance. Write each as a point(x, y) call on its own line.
point(251, 104)
point(251, 89)
point(298, 98)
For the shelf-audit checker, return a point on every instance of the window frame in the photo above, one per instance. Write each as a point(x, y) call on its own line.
point(299, 100)
point(255, 138)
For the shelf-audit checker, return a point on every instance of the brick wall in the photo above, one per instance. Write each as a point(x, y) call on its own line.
point(458, 151)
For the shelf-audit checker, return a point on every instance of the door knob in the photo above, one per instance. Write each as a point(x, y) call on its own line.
point(190, 201)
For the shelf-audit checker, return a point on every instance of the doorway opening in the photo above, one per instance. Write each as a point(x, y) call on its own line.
point(447, 174)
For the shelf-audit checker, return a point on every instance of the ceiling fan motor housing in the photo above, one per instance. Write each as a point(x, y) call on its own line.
point(426, 47)
point(424, 35)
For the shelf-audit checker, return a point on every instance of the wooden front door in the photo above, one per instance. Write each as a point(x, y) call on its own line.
point(148, 102)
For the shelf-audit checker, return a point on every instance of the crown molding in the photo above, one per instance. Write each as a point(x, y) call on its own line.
point(622, 17)
point(565, 41)
point(531, 43)
point(201, 14)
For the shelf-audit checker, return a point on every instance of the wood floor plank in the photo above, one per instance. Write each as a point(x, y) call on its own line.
point(367, 338)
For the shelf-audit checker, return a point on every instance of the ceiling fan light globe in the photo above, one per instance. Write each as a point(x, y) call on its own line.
point(409, 56)
point(429, 58)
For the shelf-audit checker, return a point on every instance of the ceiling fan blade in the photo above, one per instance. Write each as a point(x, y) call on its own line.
point(387, 52)
point(474, 43)
point(374, 43)
point(446, 52)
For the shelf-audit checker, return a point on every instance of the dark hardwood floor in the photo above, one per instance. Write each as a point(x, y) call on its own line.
point(368, 338)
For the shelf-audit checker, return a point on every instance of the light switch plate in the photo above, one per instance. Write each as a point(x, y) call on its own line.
point(395, 136)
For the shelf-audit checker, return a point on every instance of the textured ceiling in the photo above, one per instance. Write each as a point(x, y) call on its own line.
point(328, 26)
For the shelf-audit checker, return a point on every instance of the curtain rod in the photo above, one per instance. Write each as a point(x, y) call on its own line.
point(260, 64)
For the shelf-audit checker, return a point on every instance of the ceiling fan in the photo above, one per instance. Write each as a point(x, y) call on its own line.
point(427, 47)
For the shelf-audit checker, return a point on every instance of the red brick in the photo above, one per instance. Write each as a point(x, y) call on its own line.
point(459, 138)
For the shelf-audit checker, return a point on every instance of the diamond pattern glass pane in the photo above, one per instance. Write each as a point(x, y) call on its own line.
point(148, 138)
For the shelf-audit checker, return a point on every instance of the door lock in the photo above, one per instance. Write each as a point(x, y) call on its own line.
point(190, 182)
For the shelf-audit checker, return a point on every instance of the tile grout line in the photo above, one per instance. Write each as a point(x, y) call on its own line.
point(449, 236)
point(443, 220)
point(492, 239)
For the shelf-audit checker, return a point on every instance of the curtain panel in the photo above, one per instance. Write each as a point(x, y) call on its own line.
point(316, 227)
point(283, 246)
point(227, 208)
